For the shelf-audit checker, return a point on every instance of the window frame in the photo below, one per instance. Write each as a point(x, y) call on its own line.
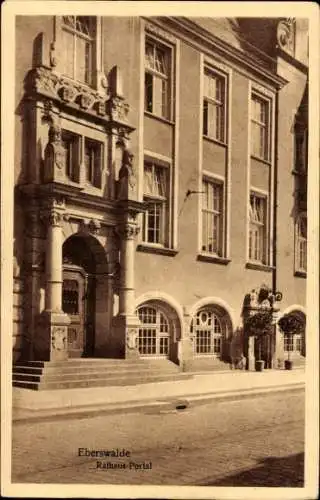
point(292, 341)
point(222, 105)
point(168, 78)
point(160, 315)
point(97, 73)
point(213, 181)
point(266, 126)
point(221, 335)
point(298, 240)
point(163, 200)
point(264, 260)
point(73, 171)
point(89, 39)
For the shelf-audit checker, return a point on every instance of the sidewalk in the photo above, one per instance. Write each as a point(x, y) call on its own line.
point(161, 396)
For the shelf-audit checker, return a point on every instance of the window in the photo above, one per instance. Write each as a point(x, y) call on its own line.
point(260, 141)
point(78, 37)
point(93, 161)
point(157, 79)
point(301, 244)
point(156, 218)
point(154, 332)
point(214, 106)
point(212, 217)
point(301, 150)
point(72, 146)
point(76, 145)
point(257, 229)
point(292, 343)
point(208, 331)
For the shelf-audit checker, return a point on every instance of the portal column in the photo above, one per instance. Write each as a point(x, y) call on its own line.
point(52, 338)
point(126, 323)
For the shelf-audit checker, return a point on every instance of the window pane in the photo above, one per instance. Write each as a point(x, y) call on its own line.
point(160, 61)
point(149, 56)
point(67, 54)
point(158, 96)
point(148, 92)
point(82, 59)
point(212, 218)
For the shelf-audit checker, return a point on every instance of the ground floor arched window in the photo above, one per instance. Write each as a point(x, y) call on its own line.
point(156, 330)
point(209, 329)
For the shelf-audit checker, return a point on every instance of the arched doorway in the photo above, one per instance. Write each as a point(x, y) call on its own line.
point(159, 330)
point(81, 255)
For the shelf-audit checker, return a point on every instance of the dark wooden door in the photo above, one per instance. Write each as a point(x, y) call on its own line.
point(78, 303)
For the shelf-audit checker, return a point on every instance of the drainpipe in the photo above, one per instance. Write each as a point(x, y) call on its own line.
point(275, 226)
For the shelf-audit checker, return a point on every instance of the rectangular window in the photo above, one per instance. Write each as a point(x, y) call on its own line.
point(257, 229)
point(158, 79)
point(214, 106)
point(301, 244)
point(72, 146)
point(78, 37)
point(212, 217)
point(260, 128)
point(156, 218)
point(93, 161)
point(80, 151)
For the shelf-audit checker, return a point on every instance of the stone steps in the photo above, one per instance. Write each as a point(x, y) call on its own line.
point(93, 373)
point(199, 364)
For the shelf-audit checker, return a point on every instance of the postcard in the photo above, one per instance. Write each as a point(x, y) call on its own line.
point(160, 263)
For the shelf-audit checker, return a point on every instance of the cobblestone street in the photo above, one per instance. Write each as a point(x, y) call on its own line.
point(252, 442)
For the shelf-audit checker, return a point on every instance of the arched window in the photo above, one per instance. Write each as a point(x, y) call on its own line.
point(154, 332)
point(209, 329)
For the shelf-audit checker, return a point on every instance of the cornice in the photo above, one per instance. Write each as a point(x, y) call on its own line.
point(200, 37)
point(74, 195)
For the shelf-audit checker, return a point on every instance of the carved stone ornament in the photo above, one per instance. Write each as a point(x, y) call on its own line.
point(54, 218)
point(47, 83)
point(94, 226)
point(285, 35)
point(68, 93)
point(53, 59)
point(132, 338)
point(86, 100)
point(128, 231)
point(59, 338)
point(118, 109)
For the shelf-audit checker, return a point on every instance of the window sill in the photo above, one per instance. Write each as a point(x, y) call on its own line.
point(213, 258)
point(215, 141)
point(144, 247)
point(259, 267)
point(159, 118)
point(300, 274)
point(262, 160)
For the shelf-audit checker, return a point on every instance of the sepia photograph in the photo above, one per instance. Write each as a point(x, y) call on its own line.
point(160, 250)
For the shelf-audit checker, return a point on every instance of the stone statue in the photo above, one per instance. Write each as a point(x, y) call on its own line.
point(127, 180)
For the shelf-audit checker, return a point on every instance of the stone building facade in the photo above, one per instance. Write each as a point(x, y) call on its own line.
point(160, 178)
